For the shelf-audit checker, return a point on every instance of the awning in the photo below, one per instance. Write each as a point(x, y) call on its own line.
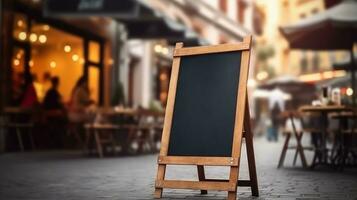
point(152, 24)
point(140, 20)
point(344, 65)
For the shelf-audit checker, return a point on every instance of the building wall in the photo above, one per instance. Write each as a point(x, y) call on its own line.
point(286, 12)
point(144, 70)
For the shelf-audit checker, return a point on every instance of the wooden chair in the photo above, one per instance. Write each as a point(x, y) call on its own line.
point(149, 129)
point(298, 134)
point(14, 121)
point(103, 135)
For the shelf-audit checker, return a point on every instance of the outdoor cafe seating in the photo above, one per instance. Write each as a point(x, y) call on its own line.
point(124, 130)
point(127, 129)
point(19, 121)
point(332, 147)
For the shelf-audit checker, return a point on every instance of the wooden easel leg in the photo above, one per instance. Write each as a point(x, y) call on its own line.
point(201, 176)
point(233, 178)
point(160, 176)
point(250, 152)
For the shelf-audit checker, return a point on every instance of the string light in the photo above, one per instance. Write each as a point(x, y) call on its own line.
point(53, 64)
point(33, 37)
point(158, 48)
point(31, 63)
point(75, 57)
point(67, 48)
point(46, 27)
point(262, 75)
point(165, 51)
point(349, 91)
point(22, 35)
point(16, 62)
point(42, 38)
point(20, 23)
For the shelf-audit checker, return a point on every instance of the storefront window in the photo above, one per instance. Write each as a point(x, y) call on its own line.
point(18, 69)
point(94, 52)
point(56, 53)
point(93, 74)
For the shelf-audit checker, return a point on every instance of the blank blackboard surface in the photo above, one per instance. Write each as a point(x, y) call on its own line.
point(205, 105)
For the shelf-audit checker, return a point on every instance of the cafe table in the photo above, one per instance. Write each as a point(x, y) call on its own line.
point(321, 151)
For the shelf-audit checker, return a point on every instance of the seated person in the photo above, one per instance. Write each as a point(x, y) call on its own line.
point(53, 99)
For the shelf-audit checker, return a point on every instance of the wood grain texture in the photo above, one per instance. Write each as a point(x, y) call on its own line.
point(245, 45)
point(191, 160)
point(196, 185)
point(250, 152)
point(241, 121)
point(168, 120)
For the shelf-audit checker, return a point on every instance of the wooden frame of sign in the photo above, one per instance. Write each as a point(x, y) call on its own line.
point(242, 120)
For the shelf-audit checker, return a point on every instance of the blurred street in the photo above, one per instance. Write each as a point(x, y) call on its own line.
point(70, 175)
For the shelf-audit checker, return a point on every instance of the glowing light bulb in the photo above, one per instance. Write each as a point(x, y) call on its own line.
point(22, 36)
point(20, 23)
point(16, 62)
point(42, 38)
point(53, 64)
point(75, 57)
point(46, 27)
point(31, 63)
point(349, 91)
point(67, 48)
point(33, 37)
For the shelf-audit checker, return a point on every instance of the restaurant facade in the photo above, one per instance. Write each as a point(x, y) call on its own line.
point(115, 49)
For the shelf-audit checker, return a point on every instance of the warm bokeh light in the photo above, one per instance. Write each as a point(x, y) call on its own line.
point(16, 62)
point(158, 48)
point(42, 38)
point(67, 48)
point(33, 37)
point(20, 23)
point(262, 75)
point(31, 63)
point(163, 77)
point(53, 64)
point(349, 92)
point(22, 35)
point(75, 57)
point(46, 27)
point(322, 76)
point(165, 51)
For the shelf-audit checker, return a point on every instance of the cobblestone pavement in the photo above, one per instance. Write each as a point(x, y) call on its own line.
point(70, 175)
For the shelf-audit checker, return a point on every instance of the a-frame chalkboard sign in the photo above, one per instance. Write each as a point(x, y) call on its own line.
point(207, 115)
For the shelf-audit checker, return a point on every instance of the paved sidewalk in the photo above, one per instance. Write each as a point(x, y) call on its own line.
point(70, 175)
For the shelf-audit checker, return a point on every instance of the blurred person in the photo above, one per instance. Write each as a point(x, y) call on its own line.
point(80, 101)
point(46, 81)
point(29, 98)
point(276, 106)
point(274, 123)
point(53, 99)
point(55, 117)
point(38, 87)
point(17, 88)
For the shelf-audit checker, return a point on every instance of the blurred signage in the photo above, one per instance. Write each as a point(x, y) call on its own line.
point(110, 8)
